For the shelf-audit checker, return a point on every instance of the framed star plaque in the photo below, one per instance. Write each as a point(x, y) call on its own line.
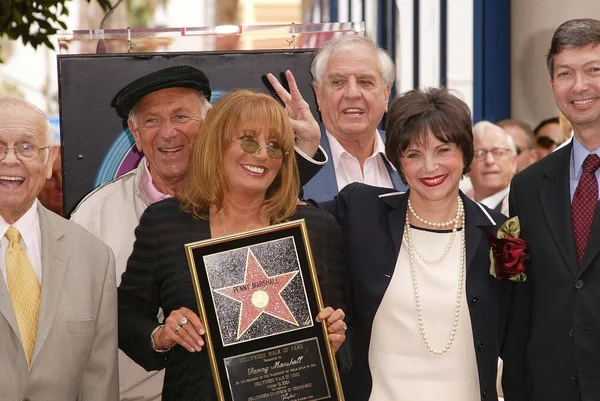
point(258, 296)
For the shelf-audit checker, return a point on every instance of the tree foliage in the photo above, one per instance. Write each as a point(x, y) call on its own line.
point(34, 21)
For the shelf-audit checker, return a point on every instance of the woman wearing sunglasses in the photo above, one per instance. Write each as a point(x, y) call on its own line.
point(243, 176)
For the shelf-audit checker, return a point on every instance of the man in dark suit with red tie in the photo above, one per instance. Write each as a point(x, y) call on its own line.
point(552, 347)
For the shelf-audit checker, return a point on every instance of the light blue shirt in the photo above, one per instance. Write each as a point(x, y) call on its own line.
point(578, 155)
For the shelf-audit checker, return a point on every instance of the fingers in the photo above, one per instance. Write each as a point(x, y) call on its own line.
point(336, 340)
point(283, 94)
point(324, 314)
point(187, 335)
point(294, 91)
point(335, 326)
point(330, 316)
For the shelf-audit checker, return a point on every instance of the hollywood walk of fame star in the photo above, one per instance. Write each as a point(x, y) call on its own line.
point(258, 294)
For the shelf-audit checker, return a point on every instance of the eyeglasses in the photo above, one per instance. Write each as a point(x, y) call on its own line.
point(25, 152)
point(249, 145)
point(546, 142)
point(498, 153)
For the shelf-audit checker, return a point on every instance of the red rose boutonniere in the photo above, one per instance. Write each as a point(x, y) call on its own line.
point(508, 252)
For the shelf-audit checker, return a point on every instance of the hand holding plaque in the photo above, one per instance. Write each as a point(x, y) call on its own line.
point(258, 294)
point(182, 327)
point(335, 326)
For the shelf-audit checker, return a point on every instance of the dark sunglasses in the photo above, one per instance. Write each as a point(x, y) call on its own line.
point(545, 142)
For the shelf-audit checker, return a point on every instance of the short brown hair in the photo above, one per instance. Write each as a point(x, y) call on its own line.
point(573, 34)
point(416, 113)
point(205, 179)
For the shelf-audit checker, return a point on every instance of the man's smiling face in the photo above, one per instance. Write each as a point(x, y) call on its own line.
point(166, 124)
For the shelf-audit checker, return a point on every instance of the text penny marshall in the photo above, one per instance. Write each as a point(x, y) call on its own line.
point(277, 365)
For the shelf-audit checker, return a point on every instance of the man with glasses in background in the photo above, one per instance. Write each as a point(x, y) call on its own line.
point(494, 165)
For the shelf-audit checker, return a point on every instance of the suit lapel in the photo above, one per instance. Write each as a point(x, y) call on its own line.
point(6, 308)
point(477, 224)
point(323, 186)
point(54, 267)
point(396, 217)
point(396, 181)
point(394, 176)
point(555, 199)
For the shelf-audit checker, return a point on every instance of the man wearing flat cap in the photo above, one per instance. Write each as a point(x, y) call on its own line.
point(164, 111)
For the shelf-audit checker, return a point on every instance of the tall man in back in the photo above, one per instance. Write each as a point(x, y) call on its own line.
point(58, 299)
point(552, 349)
point(352, 79)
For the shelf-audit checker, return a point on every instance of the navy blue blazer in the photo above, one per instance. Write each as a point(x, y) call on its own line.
point(323, 185)
point(372, 221)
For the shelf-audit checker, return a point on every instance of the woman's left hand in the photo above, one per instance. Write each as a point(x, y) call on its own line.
point(335, 326)
point(303, 122)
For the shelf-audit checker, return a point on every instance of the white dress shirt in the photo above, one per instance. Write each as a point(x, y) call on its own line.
point(347, 167)
point(494, 200)
point(31, 240)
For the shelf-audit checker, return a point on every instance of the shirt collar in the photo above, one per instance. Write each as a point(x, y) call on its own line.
point(579, 155)
point(152, 194)
point(27, 224)
point(337, 150)
point(493, 200)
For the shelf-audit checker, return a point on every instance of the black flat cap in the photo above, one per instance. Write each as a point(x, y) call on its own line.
point(181, 76)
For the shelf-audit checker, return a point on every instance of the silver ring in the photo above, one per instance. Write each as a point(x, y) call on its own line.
point(183, 321)
point(177, 329)
point(345, 326)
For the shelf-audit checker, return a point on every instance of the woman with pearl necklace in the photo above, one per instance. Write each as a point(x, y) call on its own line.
point(429, 318)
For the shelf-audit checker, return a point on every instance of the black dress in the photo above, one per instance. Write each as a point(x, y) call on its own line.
point(158, 276)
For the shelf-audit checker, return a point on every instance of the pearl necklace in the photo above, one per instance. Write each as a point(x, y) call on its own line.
point(430, 223)
point(461, 279)
point(455, 220)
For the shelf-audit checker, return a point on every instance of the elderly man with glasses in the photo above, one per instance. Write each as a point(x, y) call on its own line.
point(494, 165)
point(58, 296)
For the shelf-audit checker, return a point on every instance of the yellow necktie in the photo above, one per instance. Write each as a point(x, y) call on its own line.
point(24, 289)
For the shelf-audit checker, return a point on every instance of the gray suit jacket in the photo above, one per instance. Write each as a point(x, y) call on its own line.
point(323, 186)
point(75, 352)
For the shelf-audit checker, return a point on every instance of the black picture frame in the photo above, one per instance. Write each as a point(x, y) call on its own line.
point(267, 280)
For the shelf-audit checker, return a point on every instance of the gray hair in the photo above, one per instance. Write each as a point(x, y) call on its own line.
point(204, 107)
point(573, 34)
point(483, 126)
point(352, 44)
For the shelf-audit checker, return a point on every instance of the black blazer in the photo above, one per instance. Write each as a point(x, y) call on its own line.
point(372, 221)
point(158, 276)
point(554, 351)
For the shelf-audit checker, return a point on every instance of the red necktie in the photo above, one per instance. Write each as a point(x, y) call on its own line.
point(584, 203)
